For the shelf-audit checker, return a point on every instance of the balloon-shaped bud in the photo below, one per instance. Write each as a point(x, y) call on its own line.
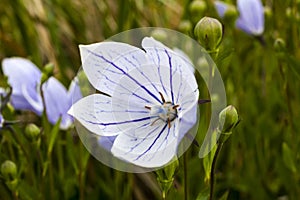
point(209, 33)
point(32, 132)
point(9, 170)
point(229, 118)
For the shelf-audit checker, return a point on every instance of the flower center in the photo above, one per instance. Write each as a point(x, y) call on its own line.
point(166, 112)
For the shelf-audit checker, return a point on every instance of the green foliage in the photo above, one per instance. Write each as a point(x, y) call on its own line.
point(260, 161)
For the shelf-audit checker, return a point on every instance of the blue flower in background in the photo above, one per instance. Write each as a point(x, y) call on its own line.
point(151, 100)
point(221, 8)
point(58, 101)
point(1, 121)
point(25, 79)
point(251, 19)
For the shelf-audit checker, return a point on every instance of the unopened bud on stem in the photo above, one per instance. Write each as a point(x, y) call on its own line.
point(209, 33)
point(229, 118)
point(32, 132)
point(9, 170)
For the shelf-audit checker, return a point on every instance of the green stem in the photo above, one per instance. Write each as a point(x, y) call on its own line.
point(211, 72)
point(81, 174)
point(51, 177)
point(118, 182)
point(185, 176)
point(60, 161)
point(41, 169)
point(212, 172)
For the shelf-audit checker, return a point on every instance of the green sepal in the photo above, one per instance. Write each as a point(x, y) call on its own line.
point(165, 176)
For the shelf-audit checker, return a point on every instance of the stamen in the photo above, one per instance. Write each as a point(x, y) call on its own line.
point(176, 106)
point(154, 121)
point(162, 97)
point(148, 107)
point(167, 111)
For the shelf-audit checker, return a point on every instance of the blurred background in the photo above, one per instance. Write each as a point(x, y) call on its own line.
point(261, 159)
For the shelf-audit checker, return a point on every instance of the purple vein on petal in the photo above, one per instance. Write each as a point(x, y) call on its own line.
point(180, 86)
point(122, 122)
point(158, 69)
point(171, 75)
point(133, 79)
point(146, 137)
point(146, 77)
point(158, 136)
point(120, 85)
point(165, 141)
point(121, 111)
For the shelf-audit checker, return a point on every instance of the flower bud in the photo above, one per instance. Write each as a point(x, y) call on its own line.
point(32, 132)
point(231, 14)
point(9, 170)
point(47, 72)
point(185, 26)
point(197, 9)
point(49, 69)
point(209, 33)
point(289, 13)
point(268, 12)
point(229, 118)
point(279, 45)
point(280, 48)
point(159, 34)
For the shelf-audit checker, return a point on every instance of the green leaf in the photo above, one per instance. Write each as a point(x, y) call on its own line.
point(204, 194)
point(71, 153)
point(288, 158)
point(224, 196)
point(207, 160)
point(53, 135)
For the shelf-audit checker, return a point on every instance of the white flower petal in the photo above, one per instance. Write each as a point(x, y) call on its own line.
point(106, 62)
point(108, 117)
point(155, 149)
point(188, 117)
point(185, 58)
point(173, 70)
